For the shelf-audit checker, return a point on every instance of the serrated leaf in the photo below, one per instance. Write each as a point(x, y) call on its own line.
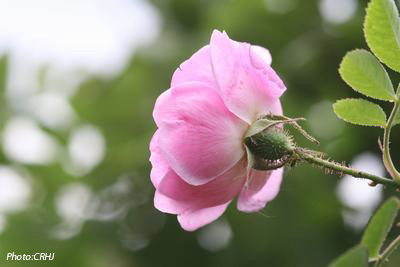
point(360, 112)
point(354, 257)
point(379, 226)
point(365, 74)
point(382, 32)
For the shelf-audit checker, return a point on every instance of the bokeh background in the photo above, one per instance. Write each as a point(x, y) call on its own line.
point(78, 81)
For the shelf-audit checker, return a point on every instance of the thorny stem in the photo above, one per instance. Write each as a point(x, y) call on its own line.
point(287, 153)
point(314, 159)
point(386, 253)
point(387, 159)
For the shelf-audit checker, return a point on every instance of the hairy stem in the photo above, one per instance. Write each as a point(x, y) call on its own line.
point(386, 253)
point(334, 166)
point(387, 159)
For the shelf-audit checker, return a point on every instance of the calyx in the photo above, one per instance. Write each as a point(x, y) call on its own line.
point(269, 146)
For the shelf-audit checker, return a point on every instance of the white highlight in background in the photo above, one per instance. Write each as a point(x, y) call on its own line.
point(337, 11)
point(15, 190)
point(25, 142)
point(215, 236)
point(96, 36)
point(86, 149)
point(72, 205)
point(52, 110)
point(356, 195)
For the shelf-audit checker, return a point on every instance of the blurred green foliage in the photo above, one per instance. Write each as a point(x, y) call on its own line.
point(303, 226)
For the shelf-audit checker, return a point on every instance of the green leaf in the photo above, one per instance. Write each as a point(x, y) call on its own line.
point(354, 257)
point(365, 74)
point(379, 226)
point(382, 32)
point(360, 111)
point(259, 126)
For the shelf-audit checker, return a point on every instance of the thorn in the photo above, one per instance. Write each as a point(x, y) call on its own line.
point(372, 184)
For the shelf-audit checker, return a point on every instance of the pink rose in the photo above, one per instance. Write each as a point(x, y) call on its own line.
point(197, 153)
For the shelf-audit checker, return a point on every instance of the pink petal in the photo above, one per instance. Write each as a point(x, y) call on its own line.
point(218, 191)
point(248, 89)
point(198, 205)
point(196, 69)
point(260, 57)
point(159, 166)
point(224, 59)
point(189, 220)
point(262, 187)
point(199, 137)
point(192, 221)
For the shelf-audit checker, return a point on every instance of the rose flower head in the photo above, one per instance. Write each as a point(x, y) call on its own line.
point(198, 153)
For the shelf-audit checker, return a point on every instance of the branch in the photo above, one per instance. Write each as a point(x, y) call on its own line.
point(337, 167)
point(386, 253)
point(387, 159)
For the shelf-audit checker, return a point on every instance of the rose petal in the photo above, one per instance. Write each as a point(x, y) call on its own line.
point(224, 60)
point(260, 57)
point(247, 90)
point(185, 197)
point(198, 205)
point(159, 165)
point(192, 221)
point(262, 187)
point(196, 69)
point(189, 220)
point(199, 137)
